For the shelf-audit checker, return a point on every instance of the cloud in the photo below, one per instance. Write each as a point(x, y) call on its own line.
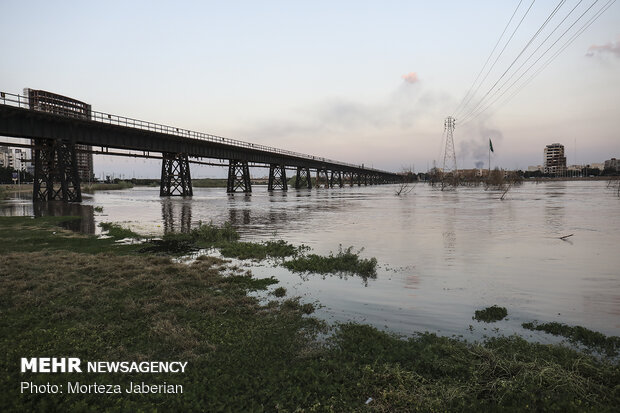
point(612, 47)
point(411, 77)
point(398, 111)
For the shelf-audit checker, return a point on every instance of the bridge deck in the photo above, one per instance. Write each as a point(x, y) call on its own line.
point(17, 119)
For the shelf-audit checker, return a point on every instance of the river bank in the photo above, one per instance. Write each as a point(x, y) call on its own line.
point(65, 294)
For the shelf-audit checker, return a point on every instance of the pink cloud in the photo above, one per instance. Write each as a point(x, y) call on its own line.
point(611, 47)
point(411, 77)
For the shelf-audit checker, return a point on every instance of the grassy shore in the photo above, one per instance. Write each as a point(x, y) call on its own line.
point(6, 190)
point(209, 183)
point(90, 188)
point(65, 294)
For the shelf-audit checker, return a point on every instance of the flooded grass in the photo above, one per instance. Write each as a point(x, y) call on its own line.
point(244, 356)
point(117, 231)
point(279, 292)
point(260, 250)
point(580, 335)
point(345, 261)
point(49, 234)
point(491, 314)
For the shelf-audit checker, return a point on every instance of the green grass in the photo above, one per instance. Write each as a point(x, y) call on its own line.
point(279, 292)
point(491, 314)
point(211, 234)
point(27, 234)
point(209, 183)
point(106, 187)
point(581, 335)
point(260, 250)
point(345, 261)
point(245, 356)
point(117, 231)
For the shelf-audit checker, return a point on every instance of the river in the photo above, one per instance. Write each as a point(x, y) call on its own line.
point(442, 254)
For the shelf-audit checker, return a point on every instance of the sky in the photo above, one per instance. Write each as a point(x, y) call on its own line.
point(357, 81)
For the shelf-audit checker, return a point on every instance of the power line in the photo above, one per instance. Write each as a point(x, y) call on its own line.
point(566, 44)
point(463, 103)
point(473, 114)
point(504, 48)
point(529, 43)
point(534, 52)
point(544, 65)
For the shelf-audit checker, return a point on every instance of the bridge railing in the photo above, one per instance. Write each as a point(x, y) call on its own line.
point(108, 118)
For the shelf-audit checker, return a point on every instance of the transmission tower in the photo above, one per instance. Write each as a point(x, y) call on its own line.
point(449, 157)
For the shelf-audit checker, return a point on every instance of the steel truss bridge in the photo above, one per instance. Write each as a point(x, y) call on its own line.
point(59, 127)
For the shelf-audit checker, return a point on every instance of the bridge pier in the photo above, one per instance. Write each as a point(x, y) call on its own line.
point(335, 178)
point(55, 161)
point(277, 177)
point(321, 175)
point(238, 177)
point(175, 176)
point(303, 178)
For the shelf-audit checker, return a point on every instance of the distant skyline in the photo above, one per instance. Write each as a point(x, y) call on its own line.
point(361, 82)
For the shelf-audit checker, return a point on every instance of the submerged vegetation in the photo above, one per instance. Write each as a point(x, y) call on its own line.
point(491, 314)
point(581, 335)
point(261, 250)
point(346, 261)
point(67, 294)
point(226, 239)
point(117, 231)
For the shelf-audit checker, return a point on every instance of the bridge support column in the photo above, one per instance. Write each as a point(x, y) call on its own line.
point(175, 176)
point(321, 175)
point(277, 177)
point(55, 162)
point(238, 177)
point(335, 178)
point(303, 178)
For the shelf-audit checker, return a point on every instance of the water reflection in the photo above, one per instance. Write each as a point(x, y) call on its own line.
point(236, 219)
point(170, 220)
point(448, 252)
point(86, 223)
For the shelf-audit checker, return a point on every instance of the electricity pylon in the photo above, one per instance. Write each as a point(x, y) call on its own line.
point(449, 156)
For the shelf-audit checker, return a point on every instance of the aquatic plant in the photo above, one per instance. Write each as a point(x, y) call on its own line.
point(117, 231)
point(279, 292)
point(491, 314)
point(345, 261)
point(210, 233)
point(577, 334)
point(260, 250)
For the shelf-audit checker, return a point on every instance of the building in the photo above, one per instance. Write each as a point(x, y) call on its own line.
point(612, 164)
point(4, 156)
point(51, 102)
point(16, 159)
point(554, 159)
